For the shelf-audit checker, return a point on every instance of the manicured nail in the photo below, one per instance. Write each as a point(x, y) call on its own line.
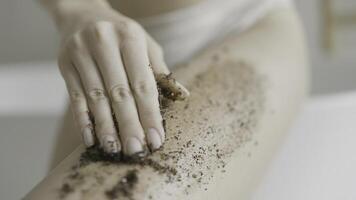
point(133, 146)
point(88, 137)
point(153, 139)
point(110, 144)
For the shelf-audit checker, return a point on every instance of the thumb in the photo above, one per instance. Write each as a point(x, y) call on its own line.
point(169, 87)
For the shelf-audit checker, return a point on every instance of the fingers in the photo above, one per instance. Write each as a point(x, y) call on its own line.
point(107, 54)
point(78, 101)
point(112, 70)
point(143, 85)
point(98, 102)
point(170, 88)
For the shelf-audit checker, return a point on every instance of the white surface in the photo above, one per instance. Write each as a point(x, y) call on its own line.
point(31, 88)
point(317, 160)
point(27, 32)
point(32, 104)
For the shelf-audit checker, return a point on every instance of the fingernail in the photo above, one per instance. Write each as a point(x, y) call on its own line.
point(184, 92)
point(133, 146)
point(88, 137)
point(110, 144)
point(153, 139)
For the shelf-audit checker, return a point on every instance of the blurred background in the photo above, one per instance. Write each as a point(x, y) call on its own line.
point(34, 95)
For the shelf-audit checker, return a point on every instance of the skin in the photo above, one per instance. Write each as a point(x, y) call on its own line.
point(283, 88)
point(110, 66)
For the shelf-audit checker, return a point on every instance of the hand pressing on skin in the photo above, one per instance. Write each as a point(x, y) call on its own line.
point(109, 64)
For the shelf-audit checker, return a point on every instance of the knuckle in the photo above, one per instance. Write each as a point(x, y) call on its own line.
point(143, 88)
point(120, 93)
point(130, 29)
point(102, 25)
point(76, 96)
point(100, 30)
point(75, 43)
point(96, 94)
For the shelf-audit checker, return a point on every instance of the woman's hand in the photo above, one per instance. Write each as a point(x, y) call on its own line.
point(109, 65)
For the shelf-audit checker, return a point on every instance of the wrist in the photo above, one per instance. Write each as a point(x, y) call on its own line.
point(68, 12)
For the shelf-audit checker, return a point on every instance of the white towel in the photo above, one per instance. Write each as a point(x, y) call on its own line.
point(185, 31)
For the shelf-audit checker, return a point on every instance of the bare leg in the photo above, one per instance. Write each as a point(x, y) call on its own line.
point(244, 94)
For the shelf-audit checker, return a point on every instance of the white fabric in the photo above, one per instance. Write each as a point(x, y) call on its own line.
point(183, 32)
